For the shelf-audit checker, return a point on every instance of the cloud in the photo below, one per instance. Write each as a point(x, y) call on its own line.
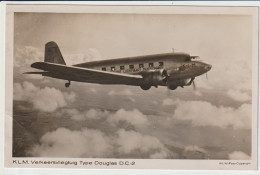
point(44, 99)
point(32, 76)
point(238, 95)
point(94, 91)
point(197, 93)
point(67, 143)
point(24, 57)
point(228, 74)
point(238, 155)
point(131, 141)
point(131, 99)
point(194, 148)
point(93, 114)
point(133, 117)
point(126, 92)
point(88, 143)
point(169, 102)
point(194, 152)
point(155, 102)
point(241, 91)
point(202, 83)
point(211, 115)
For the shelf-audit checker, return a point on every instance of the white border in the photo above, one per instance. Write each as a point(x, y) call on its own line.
point(150, 3)
point(2, 85)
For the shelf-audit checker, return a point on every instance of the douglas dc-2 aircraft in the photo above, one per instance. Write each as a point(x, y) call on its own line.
point(169, 69)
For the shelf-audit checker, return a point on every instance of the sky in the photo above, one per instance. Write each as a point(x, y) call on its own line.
point(108, 121)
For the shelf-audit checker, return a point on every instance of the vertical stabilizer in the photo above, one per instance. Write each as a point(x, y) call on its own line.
point(53, 54)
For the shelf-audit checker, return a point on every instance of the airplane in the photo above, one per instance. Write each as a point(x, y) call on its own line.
point(168, 69)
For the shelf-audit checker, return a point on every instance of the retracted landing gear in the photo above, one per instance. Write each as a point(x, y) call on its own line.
point(67, 84)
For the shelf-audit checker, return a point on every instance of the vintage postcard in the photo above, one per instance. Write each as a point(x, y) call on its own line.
point(131, 87)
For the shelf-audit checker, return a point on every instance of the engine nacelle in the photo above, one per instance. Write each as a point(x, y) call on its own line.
point(155, 77)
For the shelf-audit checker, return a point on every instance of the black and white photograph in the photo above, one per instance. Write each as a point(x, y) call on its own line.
point(135, 84)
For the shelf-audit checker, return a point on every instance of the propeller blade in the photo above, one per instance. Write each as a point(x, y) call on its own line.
point(194, 85)
point(168, 92)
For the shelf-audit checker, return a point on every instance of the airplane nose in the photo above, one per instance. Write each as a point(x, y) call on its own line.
point(208, 67)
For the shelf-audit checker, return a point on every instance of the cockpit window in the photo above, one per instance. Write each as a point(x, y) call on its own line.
point(187, 59)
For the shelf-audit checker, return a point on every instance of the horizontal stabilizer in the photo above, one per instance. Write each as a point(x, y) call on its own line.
point(34, 72)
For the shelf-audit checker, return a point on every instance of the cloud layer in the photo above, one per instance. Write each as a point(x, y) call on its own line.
point(93, 143)
point(133, 117)
point(44, 99)
point(125, 92)
point(238, 95)
point(67, 143)
point(238, 155)
point(134, 142)
point(129, 117)
point(202, 113)
point(24, 57)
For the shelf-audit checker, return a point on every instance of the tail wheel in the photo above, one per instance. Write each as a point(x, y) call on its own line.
point(145, 87)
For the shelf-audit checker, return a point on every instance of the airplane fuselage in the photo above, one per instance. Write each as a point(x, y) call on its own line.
point(168, 69)
point(178, 67)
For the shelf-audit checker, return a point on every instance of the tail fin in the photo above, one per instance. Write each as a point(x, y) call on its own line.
point(53, 54)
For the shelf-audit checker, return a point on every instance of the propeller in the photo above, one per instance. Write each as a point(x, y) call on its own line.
point(168, 92)
point(194, 85)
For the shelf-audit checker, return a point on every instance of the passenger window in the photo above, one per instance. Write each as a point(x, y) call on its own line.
point(141, 65)
point(113, 68)
point(150, 64)
point(122, 67)
point(182, 68)
point(104, 69)
point(160, 64)
point(131, 66)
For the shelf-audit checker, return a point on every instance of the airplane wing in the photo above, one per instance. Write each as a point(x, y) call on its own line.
point(73, 73)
